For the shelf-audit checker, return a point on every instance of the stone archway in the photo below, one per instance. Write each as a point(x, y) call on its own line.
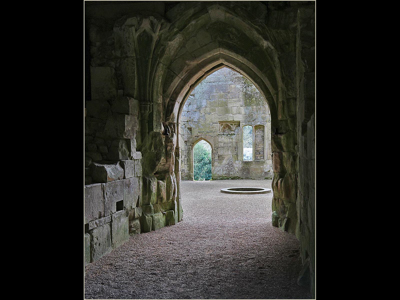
point(221, 59)
point(246, 50)
point(236, 42)
point(145, 61)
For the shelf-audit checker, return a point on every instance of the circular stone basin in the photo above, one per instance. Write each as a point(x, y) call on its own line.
point(246, 190)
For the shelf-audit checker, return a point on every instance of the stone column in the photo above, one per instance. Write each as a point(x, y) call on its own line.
point(178, 183)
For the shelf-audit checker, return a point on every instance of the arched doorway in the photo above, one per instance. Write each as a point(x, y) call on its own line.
point(202, 162)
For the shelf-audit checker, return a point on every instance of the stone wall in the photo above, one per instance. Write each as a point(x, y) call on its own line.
point(305, 80)
point(216, 111)
point(124, 194)
point(124, 201)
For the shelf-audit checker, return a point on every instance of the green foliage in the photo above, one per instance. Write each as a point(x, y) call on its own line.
point(202, 161)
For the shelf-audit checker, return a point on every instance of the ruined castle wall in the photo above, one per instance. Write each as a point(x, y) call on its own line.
point(216, 111)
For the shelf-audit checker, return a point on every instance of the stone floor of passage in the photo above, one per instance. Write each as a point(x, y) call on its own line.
point(224, 248)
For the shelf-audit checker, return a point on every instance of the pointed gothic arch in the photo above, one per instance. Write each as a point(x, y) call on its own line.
point(209, 167)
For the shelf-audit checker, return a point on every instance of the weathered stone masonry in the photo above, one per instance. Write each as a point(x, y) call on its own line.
point(143, 61)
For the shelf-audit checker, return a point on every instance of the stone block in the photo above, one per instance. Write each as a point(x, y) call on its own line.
point(133, 148)
point(165, 206)
point(134, 227)
point(120, 149)
point(140, 202)
point(103, 83)
point(120, 228)
point(179, 209)
point(114, 126)
point(137, 156)
point(170, 217)
point(100, 243)
point(276, 185)
point(158, 221)
point(87, 248)
point(94, 202)
point(138, 166)
point(161, 193)
point(138, 212)
point(129, 168)
point(224, 110)
point(170, 187)
point(176, 211)
point(146, 223)
point(131, 214)
point(106, 172)
point(131, 192)
point(134, 109)
point(235, 110)
point(288, 188)
point(149, 190)
point(113, 192)
point(99, 222)
point(122, 126)
point(275, 218)
point(131, 127)
point(148, 209)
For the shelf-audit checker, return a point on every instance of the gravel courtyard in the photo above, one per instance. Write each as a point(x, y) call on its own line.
point(224, 248)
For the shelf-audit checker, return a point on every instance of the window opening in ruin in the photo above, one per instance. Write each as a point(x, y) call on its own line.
point(247, 143)
point(120, 205)
point(202, 161)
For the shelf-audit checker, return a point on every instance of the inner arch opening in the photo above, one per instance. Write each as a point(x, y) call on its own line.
point(202, 153)
point(219, 109)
